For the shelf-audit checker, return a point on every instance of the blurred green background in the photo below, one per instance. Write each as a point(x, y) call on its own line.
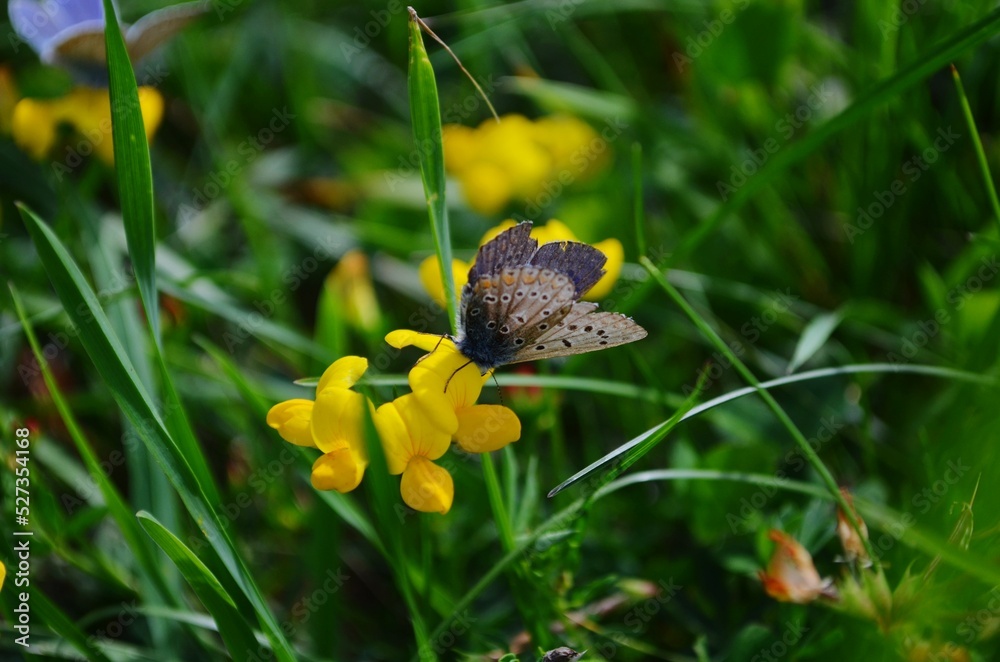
point(811, 185)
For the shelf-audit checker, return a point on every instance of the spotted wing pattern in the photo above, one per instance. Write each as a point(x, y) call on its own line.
point(581, 330)
point(503, 313)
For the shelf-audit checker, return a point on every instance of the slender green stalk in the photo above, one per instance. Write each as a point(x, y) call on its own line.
point(779, 412)
point(637, 212)
point(425, 112)
point(984, 166)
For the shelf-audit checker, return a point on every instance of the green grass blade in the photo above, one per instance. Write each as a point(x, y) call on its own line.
point(425, 113)
point(135, 176)
point(235, 631)
point(984, 165)
point(108, 356)
point(938, 57)
point(930, 371)
point(813, 337)
point(61, 624)
point(116, 505)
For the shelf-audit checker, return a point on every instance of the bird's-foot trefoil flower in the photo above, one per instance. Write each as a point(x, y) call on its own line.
point(791, 575)
point(412, 441)
point(332, 423)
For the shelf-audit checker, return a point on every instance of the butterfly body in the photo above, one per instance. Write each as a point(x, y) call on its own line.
point(521, 302)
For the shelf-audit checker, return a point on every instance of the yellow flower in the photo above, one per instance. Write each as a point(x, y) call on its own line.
point(333, 424)
point(446, 385)
point(3, 574)
point(412, 442)
point(520, 158)
point(554, 230)
point(87, 110)
point(430, 277)
point(791, 575)
point(350, 284)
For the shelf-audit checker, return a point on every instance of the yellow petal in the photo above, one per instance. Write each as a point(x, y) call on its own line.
point(430, 277)
point(427, 487)
point(486, 428)
point(343, 373)
point(447, 366)
point(340, 470)
point(486, 187)
point(394, 436)
point(460, 146)
point(151, 106)
point(3, 574)
point(336, 420)
point(428, 342)
point(613, 249)
point(292, 419)
point(33, 127)
point(554, 230)
point(407, 431)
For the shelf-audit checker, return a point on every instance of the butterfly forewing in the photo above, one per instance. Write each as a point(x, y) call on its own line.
point(510, 248)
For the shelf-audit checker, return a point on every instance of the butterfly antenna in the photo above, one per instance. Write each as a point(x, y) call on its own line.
point(425, 28)
point(499, 392)
point(440, 340)
point(457, 370)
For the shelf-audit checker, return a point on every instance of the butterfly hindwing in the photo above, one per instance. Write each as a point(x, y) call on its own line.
point(582, 330)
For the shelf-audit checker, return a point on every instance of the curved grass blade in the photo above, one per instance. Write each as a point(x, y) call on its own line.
point(977, 143)
point(235, 631)
point(425, 112)
point(930, 371)
point(61, 624)
point(135, 176)
point(116, 505)
point(108, 356)
point(813, 337)
point(938, 57)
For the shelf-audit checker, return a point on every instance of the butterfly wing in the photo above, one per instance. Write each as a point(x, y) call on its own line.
point(157, 27)
point(510, 248)
point(506, 312)
point(581, 330)
point(43, 24)
point(583, 263)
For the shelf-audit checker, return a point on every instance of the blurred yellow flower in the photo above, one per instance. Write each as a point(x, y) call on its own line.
point(87, 110)
point(791, 575)
point(517, 158)
point(412, 442)
point(3, 574)
point(554, 230)
point(446, 385)
point(333, 424)
point(8, 99)
point(350, 284)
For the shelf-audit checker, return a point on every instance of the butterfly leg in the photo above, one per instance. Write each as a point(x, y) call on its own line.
point(440, 340)
point(457, 370)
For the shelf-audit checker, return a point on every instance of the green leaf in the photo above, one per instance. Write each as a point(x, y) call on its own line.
point(135, 176)
point(425, 112)
point(116, 505)
point(814, 336)
point(109, 357)
point(235, 631)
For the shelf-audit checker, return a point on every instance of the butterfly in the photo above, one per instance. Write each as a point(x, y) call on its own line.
point(522, 302)
point(70, 33)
